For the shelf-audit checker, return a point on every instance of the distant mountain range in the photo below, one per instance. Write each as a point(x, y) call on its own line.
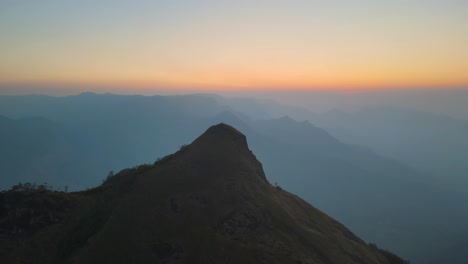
point(382, 199)
point(432, 143)
point(208, 203)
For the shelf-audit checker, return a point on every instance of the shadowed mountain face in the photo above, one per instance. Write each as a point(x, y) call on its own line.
point(208, 203)
point(86, 136)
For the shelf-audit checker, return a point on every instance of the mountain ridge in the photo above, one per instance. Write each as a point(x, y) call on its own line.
point(209, 202)
point(354, 186)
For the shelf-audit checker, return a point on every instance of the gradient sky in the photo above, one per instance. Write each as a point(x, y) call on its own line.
point(253, 44)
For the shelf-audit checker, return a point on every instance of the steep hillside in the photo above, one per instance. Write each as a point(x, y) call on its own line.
point(380, 199)
point(208, 203)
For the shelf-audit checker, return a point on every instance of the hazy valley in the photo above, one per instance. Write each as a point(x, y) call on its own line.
point(383, 197)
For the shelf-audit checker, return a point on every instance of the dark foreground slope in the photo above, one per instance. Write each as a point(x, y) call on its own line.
point(208, 203)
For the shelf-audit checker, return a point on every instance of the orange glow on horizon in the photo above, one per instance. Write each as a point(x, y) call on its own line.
point(190, 87)
point(236, 45)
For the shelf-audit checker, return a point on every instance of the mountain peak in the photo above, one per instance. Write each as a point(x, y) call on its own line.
point(225, 133)
point(223, 148)
point(225, 129)
point(208, 203)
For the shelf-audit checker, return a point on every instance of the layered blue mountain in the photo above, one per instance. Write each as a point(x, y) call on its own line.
point(383, 200)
